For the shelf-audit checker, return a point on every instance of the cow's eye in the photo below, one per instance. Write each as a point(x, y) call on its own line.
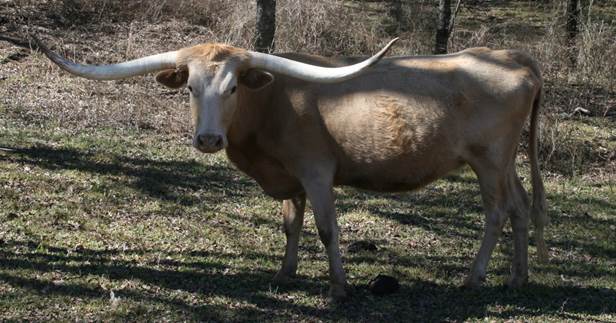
point(233, 90)
point(189, 88)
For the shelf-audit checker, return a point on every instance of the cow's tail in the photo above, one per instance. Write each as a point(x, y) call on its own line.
point(538, 210)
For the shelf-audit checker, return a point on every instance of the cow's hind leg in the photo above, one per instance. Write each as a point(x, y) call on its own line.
point(520, 210)
point(293, 220)
point(493, 184)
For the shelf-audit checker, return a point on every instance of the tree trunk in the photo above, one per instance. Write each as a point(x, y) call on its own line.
point(442, 29)
point(395, 12)
point(266, 25)
point(573, 16)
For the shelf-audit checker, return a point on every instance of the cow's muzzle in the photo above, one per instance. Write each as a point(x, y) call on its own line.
point(209, 143)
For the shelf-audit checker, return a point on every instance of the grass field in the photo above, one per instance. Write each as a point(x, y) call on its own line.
point(108, 213)
point(176, 235)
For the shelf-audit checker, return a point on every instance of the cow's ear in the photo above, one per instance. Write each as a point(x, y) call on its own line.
point(256, 79)
point(173, 78)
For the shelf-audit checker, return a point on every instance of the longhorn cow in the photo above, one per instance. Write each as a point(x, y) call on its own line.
point(300, 125)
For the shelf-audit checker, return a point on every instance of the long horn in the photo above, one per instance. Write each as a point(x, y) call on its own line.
point(134, 67)
point(313, 73)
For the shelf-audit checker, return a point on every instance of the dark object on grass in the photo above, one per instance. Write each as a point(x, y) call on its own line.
point(382, 285)
point(362, 245)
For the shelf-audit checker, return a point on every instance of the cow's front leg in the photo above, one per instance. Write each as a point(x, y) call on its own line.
point(293, 219)
point(321, 196)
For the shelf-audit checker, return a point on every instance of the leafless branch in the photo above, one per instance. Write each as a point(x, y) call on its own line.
point(453, 16)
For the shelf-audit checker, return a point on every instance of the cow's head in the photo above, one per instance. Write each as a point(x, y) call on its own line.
point(212, 74)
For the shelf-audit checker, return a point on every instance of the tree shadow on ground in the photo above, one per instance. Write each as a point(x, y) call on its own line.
point(429, 211)
point(178, 182)
point(208, 278)
point(164, 180)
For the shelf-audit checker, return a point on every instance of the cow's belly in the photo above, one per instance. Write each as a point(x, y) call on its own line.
point(393, 143)
point(402, 174)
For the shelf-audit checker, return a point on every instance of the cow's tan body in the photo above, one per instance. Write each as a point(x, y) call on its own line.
point(401, 124)
point(405, 123)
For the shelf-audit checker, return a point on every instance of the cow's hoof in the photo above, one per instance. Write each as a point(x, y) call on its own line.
point(282, 278)
point(337, 293)
point(472, 282)
point(517, 281)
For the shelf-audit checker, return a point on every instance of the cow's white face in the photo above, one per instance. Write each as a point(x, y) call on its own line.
point(213, 91)
point(213, 101)
point(214, 88)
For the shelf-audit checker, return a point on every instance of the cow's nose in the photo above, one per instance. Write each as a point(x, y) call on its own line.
point(210, 142)
point(218, 142)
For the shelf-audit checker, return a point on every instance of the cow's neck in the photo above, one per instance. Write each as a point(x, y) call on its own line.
point(247, 119)
point(251, 151)
point(244, 130)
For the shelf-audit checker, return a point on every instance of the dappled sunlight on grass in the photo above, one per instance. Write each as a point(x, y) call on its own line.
point(183, 236)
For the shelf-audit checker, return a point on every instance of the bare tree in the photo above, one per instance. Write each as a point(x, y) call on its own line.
point(573, 16)
point(444, 25)
point(396, 13)
point(266, 25)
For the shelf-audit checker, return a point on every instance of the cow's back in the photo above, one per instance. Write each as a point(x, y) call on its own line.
point(403, 123)
point(411, 120)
